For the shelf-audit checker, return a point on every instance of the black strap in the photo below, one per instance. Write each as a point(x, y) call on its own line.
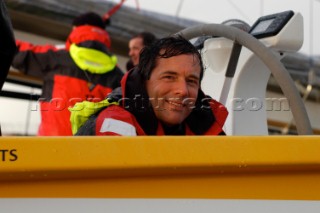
point(233, 61)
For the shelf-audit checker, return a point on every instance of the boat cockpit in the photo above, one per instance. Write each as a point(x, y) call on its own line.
point(178, 173)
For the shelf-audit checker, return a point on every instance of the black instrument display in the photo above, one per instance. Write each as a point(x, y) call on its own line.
point(270, 25)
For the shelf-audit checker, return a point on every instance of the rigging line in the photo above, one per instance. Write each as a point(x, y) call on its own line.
point(261, 7)
point(113, 10)
point(311, 28)
point(137, 5)
point(179, 7)
point(239, 10)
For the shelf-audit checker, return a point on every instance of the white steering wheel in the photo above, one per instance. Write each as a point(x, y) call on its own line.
point(267, 57)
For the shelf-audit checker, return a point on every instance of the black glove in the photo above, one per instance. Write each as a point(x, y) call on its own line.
point(115, 95)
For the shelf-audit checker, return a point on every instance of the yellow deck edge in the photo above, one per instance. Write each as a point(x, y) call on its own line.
point(247, 167)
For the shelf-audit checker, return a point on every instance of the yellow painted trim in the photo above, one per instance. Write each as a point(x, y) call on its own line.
point(267, 167)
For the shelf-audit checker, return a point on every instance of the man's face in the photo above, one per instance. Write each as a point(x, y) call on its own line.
point(135, 46)
point(173, 88)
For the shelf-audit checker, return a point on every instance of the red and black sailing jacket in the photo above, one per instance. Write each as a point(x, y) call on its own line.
point(135, 115)
point(83, 70)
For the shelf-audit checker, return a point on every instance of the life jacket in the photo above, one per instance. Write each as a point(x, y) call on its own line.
point(97, 60)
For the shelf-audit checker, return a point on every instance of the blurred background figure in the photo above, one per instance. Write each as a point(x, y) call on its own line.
point(84, 70)
point(7, 44)
point(136, 43)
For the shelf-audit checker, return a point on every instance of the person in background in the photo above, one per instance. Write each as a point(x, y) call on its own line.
point(84, 70)
point(136, 43)
point(161, 96)
point(7, 44)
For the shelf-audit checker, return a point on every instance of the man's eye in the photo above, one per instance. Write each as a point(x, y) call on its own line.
point(193, 81)
point(168, 77)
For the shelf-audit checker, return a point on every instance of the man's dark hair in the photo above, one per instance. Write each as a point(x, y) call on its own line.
point(89, 18)
point(147, 38)
point(165, 48)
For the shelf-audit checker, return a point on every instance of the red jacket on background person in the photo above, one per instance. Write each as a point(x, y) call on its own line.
point(84, 70)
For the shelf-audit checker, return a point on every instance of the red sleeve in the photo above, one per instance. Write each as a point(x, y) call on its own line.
point(36, 60)
point(114, 120)
point(26, 46)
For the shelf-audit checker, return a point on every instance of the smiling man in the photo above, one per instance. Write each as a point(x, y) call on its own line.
point(173, 88)
point(162, 96)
